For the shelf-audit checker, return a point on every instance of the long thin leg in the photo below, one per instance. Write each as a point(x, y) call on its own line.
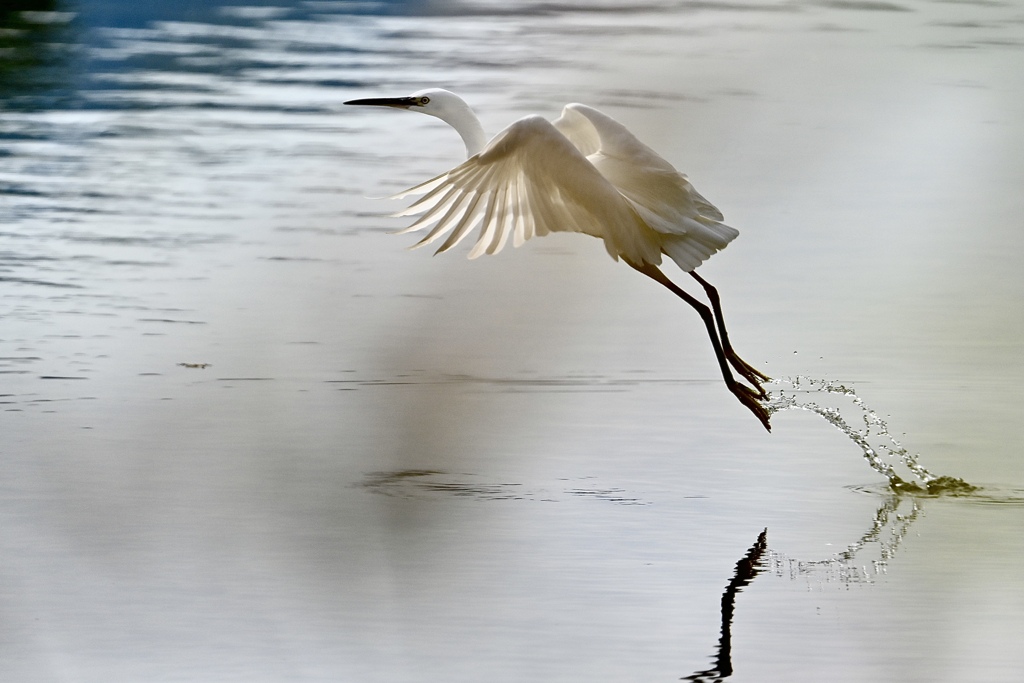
point(752, 374)
point(745, 394)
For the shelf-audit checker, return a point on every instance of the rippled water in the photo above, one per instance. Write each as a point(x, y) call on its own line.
point(246, 435)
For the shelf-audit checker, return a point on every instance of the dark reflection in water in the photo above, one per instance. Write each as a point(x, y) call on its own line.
point(421, 484)
point(36, 46)
point(748, 567)
point(863, 561)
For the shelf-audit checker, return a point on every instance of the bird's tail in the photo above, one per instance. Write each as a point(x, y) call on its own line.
point(698, 244)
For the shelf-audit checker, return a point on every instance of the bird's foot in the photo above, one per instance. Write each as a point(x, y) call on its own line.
point(749, 373)
point(752, 400)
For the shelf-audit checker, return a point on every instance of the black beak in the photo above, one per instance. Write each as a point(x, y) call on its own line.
point(398, 102)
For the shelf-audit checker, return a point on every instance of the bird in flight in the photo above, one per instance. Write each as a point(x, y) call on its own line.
point(584, 172)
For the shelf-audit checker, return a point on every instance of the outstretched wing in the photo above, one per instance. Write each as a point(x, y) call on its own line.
point(666, 201)
point(529, 180)
point(635, 169)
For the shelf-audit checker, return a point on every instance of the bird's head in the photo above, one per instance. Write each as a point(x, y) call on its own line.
point(432, 101)
point(441, 104)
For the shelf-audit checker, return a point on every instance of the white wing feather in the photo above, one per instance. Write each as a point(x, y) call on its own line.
point(690, 225)
point(530, 180)
point(634, 166)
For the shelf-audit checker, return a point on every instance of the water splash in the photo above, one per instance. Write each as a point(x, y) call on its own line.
point(880, 448)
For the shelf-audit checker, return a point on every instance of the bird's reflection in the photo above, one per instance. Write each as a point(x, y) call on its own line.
point(890, 525)
point(749, 566)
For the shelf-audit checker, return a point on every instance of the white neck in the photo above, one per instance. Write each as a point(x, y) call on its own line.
point(473, 135)
point(466, 124)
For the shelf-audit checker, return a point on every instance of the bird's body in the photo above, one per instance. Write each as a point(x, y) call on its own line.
point(585, 172)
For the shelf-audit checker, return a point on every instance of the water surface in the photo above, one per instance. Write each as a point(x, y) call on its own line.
point(247, 436)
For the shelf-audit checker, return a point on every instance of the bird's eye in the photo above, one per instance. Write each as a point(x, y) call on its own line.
point(424, 100)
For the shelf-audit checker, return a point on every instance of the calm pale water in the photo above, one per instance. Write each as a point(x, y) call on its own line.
point(247, 436)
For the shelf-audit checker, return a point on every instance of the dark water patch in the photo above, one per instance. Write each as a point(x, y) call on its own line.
point(426, 484)
point(116, 100)
point(139, 81)
point(123, 263)
point(50, 263)
point(9, 257)
point(38, 283)
point(461, 489)
point(612, 495)
point(147, 309)
point(172, 321)
point(62, 213)
point(836, 28)
point(322, 189)
point(162, 240)
point(245, 379)
point(41, 401)
point(1001, 42)
point(862, 5)
point(374, 383)
point(976, 3)
point(312, 81)
point(14, 189)
point(22, 135)
point(555, 9)
point(37, 54)
point(949, 46)
point(964, 24)
point(711, 6)
point(297, 259)
point(652, 96)
point(60, 377)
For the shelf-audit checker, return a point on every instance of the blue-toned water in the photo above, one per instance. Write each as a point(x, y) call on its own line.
point(246, 435)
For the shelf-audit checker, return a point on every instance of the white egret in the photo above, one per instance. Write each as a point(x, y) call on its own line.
point(585, 172)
